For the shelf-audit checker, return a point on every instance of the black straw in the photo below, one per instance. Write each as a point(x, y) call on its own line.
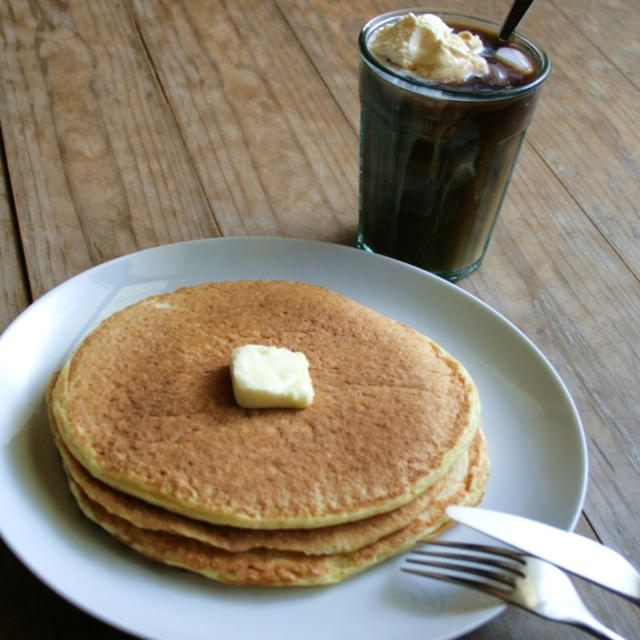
point(518, 9)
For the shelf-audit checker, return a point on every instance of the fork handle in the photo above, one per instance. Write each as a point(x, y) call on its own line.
point(594, 627)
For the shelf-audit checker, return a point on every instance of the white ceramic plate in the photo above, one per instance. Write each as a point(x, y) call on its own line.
point(536, 445)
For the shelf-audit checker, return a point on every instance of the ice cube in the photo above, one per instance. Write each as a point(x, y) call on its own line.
point(515, 59)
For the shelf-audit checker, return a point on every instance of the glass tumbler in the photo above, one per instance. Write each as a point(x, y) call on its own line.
point(436, 160)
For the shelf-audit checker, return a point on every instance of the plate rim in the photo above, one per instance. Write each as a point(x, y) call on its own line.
point(438, 283)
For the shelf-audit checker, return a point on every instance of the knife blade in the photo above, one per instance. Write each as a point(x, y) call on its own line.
point(570, 551)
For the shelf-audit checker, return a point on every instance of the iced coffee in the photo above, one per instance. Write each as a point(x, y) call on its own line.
point(444, 110)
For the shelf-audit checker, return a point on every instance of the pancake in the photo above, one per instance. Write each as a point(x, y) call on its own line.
point(145, 405)
point(280, 568)
point(341, 538)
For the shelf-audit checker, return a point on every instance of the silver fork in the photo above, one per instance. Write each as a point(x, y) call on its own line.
point(520, 579)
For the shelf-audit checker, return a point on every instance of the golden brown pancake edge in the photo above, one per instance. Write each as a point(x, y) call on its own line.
point(277, 568)
point(343, 538)
point(393, 465)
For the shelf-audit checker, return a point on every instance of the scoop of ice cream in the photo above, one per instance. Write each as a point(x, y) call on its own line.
point(428, 47)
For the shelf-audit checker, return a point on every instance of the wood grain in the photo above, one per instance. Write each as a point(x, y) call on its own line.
point(97, 165)
point(254, 117)
point(132, 123)
point(612, 30)
point(14, 290)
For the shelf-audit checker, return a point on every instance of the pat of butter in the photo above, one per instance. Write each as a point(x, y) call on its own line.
point(265, 377)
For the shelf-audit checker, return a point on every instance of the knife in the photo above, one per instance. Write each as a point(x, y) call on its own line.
point(570, 551)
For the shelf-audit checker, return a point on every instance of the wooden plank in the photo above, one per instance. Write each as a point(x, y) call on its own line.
point(612, 29)
point(97, 165)
point(588, 140)
point(271, 147)
point(14, 295)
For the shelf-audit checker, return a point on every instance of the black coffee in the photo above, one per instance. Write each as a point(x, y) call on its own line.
point(436, 160)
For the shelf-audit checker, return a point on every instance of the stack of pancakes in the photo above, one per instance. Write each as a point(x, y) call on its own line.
point(158, 453)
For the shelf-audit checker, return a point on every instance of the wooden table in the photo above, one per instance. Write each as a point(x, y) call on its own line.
point(130, 124)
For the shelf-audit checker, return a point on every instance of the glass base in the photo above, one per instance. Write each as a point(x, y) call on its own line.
point(451, 276)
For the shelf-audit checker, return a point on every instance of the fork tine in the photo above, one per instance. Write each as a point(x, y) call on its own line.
point(504, 552)
point(497, 557)
point(492, 563)
point(479, 585)
point(471, 569)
